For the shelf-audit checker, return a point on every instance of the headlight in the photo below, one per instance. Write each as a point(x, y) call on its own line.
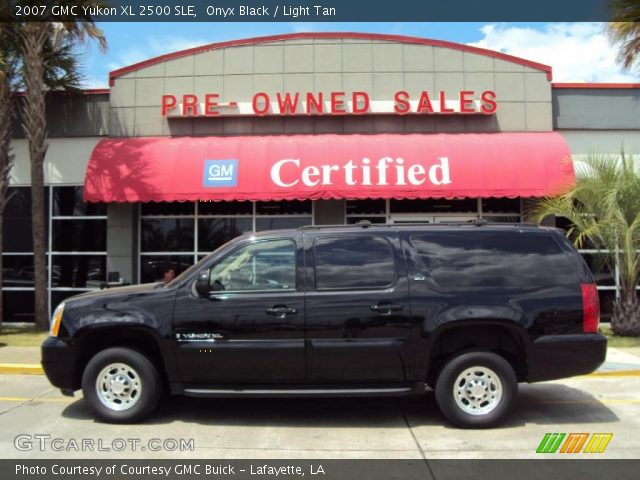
point(56, 320)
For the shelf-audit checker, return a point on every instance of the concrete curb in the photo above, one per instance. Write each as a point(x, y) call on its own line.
point(20, 369)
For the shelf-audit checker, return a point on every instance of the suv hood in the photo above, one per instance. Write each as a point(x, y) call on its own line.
point(113, 292)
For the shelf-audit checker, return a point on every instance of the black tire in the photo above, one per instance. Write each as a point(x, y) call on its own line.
point(145, 378)
point(490, 408)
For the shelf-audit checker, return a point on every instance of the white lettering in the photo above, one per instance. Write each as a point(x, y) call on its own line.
point(326, 173)
point(275, 172)
point(400, 172)
point(349, 167)
point(309, 176)
point(413, 172)
point(443, 168)
point(384, 171)
point(366, 172)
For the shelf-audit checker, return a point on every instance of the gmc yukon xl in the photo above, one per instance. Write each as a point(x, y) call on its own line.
point(469, 310)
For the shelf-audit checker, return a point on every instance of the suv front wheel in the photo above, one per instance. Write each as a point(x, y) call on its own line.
point(476, 389)
point(121, 385)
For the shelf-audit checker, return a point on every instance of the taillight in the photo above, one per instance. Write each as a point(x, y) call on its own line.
point(590, 308)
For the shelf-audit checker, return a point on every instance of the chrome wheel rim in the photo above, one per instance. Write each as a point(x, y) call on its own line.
point(118, 386)
point(477, 390)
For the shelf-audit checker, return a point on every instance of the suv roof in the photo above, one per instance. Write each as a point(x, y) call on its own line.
point(365, 224)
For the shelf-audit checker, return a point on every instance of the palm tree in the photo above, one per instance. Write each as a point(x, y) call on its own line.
point(604, 208)
point(60, 73)
point(625, 30)
point(38, 40)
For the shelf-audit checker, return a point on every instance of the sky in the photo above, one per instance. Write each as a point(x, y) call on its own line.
point(578, 52)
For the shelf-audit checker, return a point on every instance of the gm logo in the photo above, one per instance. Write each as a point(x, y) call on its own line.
point(220, 173)
point(574, 443)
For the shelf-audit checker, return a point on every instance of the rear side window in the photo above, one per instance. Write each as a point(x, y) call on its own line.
point(354, 262)
point(476, 259)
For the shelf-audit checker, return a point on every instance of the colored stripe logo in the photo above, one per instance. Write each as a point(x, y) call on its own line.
point(574, 442)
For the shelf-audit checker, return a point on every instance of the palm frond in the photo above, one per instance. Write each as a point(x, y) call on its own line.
point(604, 210)
point(624, 30)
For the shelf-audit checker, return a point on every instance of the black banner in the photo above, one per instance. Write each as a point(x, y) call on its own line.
point(311, 11)
point(319, 469)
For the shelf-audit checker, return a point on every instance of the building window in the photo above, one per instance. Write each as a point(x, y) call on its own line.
point(374, 211)
point(78, 244)
point(284, 214)
point(178, 234)
point(507, 210)
point(17, 256)
point(167, 235)
point(76, 253)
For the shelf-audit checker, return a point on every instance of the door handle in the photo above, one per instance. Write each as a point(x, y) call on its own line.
point(281, 311)
point(386, 308)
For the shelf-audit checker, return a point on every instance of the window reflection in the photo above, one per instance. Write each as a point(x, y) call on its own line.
point(68, 201)
point(276, 223)
point(284, 207)
point(153, 267)
point(16, 232)
point(225, 208)
point(167, 208)
point(78, 271)
point(17, 271)
point(363, 262)
point(167, 235)
point(473, 260)
point(266, 265)
point(214, 232)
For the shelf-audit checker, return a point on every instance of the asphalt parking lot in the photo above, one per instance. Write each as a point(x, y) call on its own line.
point(318, 428)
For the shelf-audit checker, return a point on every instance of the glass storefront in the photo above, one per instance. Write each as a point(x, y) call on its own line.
point(77, 257)
point(176, 235)
point(382, 211)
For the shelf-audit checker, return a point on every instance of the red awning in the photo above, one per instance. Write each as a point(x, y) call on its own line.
point(328, 166)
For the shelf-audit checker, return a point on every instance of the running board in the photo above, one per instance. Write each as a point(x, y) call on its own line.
point(304, 392)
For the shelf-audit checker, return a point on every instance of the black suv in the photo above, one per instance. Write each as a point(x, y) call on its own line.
point(469, 310)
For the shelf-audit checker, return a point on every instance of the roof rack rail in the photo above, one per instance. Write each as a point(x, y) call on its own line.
point(480, 222)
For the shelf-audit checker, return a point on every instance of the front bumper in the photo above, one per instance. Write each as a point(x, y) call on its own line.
point(559, 356)
point(60, 362)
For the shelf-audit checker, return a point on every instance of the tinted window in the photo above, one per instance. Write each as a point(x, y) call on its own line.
point(167, 208)
point(78, 271)
point(68, 201)
point(79, 235)
point(17, 220)
point(225, 208)
point(476, 259)
point(152, 267)
point(284, 207)
point(266, 223)
point(167, 235)
point(269, 265)
point(354, 262)
point(213, 232)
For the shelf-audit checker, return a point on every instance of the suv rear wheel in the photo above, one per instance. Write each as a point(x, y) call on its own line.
point(121, 385)
point(476, 389)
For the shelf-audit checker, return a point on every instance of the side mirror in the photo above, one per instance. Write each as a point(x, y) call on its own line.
point(202, 283)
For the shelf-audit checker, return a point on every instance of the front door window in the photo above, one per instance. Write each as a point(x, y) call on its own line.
point(268, 265)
